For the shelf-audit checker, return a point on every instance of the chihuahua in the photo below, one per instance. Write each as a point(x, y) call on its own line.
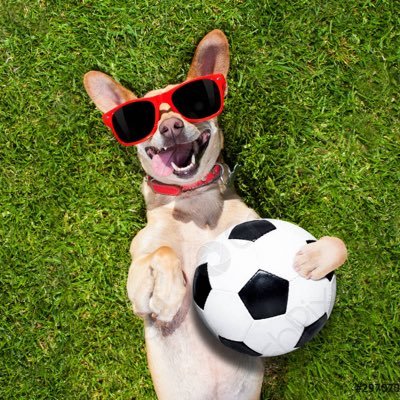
point(189, 202)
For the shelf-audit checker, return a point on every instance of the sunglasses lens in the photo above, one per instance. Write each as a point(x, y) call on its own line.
point(134, 121)
point(198, 99)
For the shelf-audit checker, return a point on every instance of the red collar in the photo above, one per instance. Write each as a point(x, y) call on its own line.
point(175, 190)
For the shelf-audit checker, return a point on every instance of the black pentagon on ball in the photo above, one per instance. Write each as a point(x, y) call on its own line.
point(265, 295)
point(311, 330)
point(201, 285)
point(239, 346)
point(251, 230)
point(330, 276)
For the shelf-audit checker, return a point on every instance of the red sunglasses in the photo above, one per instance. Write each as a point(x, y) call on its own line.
point(197, 100)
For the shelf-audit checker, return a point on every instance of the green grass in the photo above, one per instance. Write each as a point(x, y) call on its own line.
point(312, 118)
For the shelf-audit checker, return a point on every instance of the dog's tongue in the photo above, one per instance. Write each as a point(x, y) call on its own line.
point(179, 154)
point(161, 163)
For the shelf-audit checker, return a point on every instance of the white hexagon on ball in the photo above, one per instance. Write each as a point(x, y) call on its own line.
point(236, 321)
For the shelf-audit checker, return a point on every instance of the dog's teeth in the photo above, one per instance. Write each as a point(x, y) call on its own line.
point(183, 169)
point(196, 147)
point(193, 160)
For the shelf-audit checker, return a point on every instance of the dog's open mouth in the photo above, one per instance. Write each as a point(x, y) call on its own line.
point(180, 159)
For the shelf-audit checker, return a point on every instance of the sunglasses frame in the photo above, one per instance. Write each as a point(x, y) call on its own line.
point(166, 97)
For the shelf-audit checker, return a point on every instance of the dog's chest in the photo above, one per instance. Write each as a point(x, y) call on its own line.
point(193, 239)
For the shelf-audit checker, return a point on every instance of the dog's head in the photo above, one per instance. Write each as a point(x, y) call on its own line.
point(179, 152)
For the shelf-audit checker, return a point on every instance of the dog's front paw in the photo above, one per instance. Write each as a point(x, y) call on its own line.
point(156, 285)
point(316, 260)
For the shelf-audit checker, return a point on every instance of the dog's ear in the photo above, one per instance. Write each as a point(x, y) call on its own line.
point(104, 91)
point(211, 56)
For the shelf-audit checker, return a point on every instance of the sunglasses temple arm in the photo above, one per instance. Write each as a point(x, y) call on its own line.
point(107, 119)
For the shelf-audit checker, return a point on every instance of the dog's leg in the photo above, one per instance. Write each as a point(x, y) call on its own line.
point(315, 260)
point(156, 285)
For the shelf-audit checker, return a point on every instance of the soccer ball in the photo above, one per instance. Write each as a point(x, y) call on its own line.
point(249, 295)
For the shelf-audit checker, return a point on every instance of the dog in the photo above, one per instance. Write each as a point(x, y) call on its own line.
point(188, 204)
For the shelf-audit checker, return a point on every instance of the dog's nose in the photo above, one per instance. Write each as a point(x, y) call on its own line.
point(171, 127)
